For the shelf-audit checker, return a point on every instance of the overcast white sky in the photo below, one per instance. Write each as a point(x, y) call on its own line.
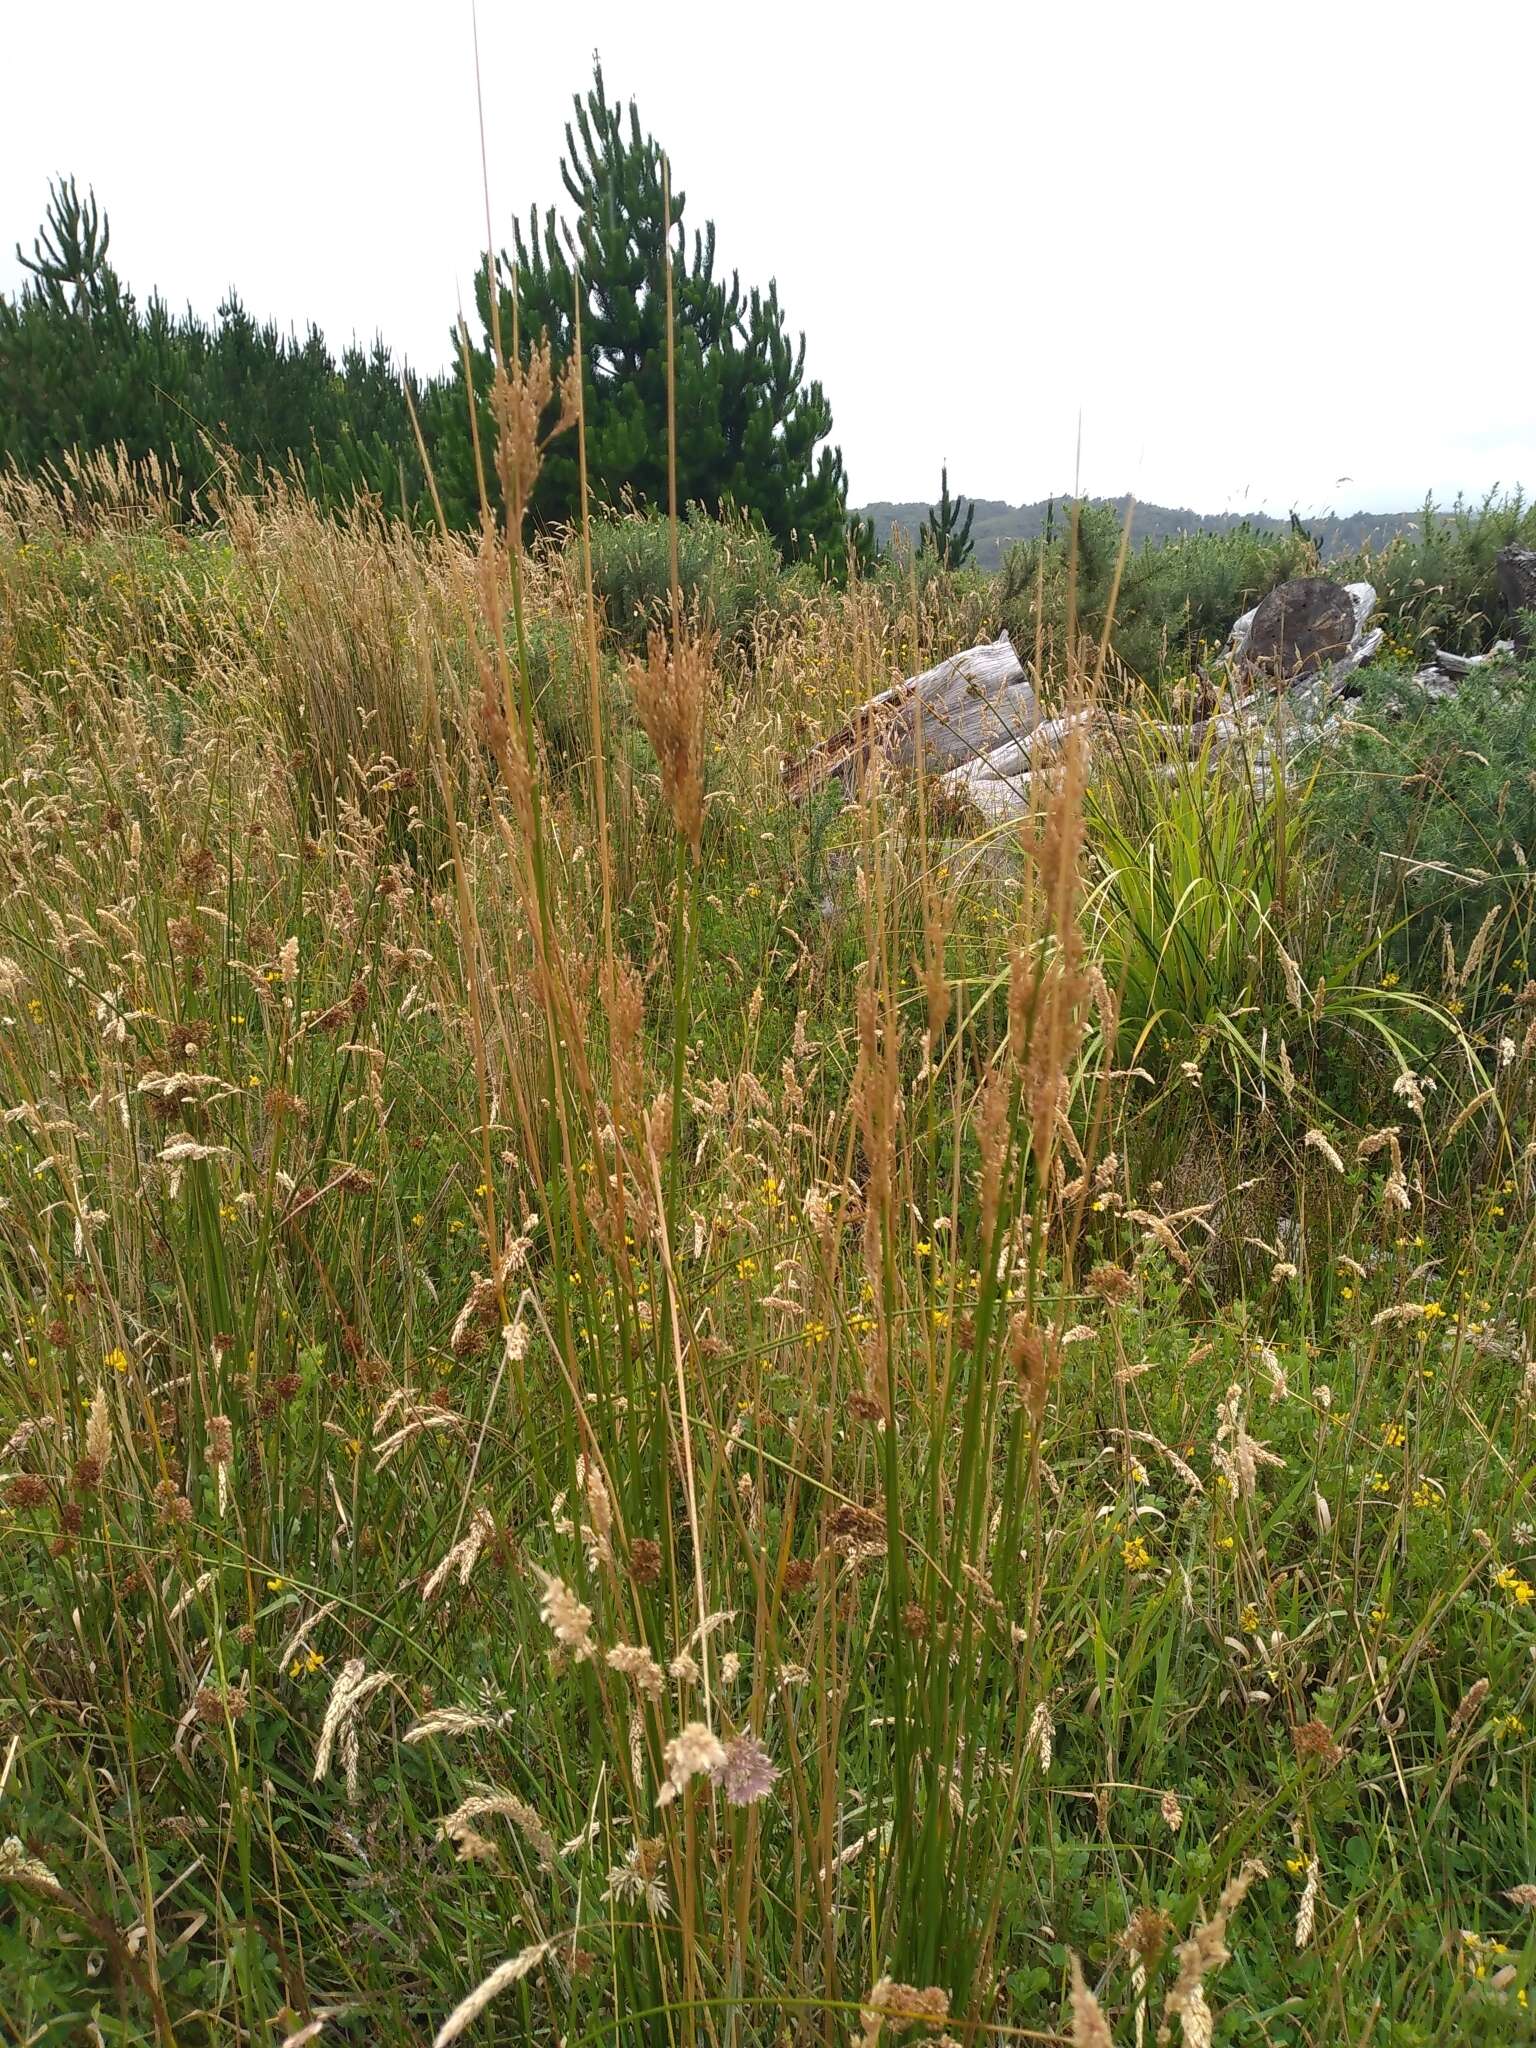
point(1259, 249)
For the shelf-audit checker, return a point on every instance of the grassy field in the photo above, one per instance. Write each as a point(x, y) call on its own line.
point(636, 1413)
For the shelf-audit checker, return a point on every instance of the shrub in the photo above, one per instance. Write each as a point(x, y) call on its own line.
point(1176, 598)
point(728, 570)
point(1438, 586)
point(1428, 814)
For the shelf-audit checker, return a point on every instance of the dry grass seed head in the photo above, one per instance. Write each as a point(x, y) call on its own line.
point(670, 688)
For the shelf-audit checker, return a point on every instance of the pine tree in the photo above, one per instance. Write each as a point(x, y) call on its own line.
point(70, 248)
point(751, 431)
point(944, 534)
point(82, 367)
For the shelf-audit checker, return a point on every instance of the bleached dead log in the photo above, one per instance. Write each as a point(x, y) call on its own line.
point(983, 738)
point(975, 705)
point(1443, 677)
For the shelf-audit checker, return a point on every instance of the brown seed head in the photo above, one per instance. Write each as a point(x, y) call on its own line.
point(1315, 1739)
point(670, 689)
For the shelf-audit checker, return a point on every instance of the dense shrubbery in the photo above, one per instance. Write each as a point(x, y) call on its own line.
point(727, 571)
point(1437, 587)
point(1176, 599)
point(1427, 812)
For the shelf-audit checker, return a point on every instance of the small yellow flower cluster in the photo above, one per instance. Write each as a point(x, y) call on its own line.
point(1509, 1581)
point(1134, 1554)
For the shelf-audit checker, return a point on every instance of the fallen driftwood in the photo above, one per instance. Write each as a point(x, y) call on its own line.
point(1444, 676)
point(976, 717)
point(978, 706)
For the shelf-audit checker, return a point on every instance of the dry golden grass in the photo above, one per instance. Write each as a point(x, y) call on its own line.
point(613, 1424)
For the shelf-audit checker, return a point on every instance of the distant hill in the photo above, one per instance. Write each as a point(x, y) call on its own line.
point(999, 526)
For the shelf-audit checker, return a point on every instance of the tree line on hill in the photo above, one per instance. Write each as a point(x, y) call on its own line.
point(998, 527)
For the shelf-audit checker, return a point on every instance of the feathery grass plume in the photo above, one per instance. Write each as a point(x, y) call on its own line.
point(1041, 1739)
point(98, 1432)
point(568, 1619)
point(1035, 1358)
point(1412, 1088)
point(874, 1101)
point(695, 1751)
point(992, 1143)
point(635, 1662)
point(301, 1634)
point(937, 918)
point(1047, 1000)
point(624, 1006)
point(353, 1688)
point(448, 1721)
point(1090, 2029)
point(17, 1866)
point(1306, 1910)
point(638, 1880)
point(1467, 1708)
point(1235, 1454)
point(469, 2009)
point(670, 689)
point(462, 1557)
point(1318, 1141)
point(521, 393)
point(1206, 1950)
point(503, 1806)
point(1398, 1312)
point(311, 2029)
point(1295, 988)
point(188, 1594)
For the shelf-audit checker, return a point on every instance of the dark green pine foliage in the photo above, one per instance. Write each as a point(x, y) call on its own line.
point(944, 534)
point(861, 549)
point(751, 431)
point(82, 367)
point(70, 249)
